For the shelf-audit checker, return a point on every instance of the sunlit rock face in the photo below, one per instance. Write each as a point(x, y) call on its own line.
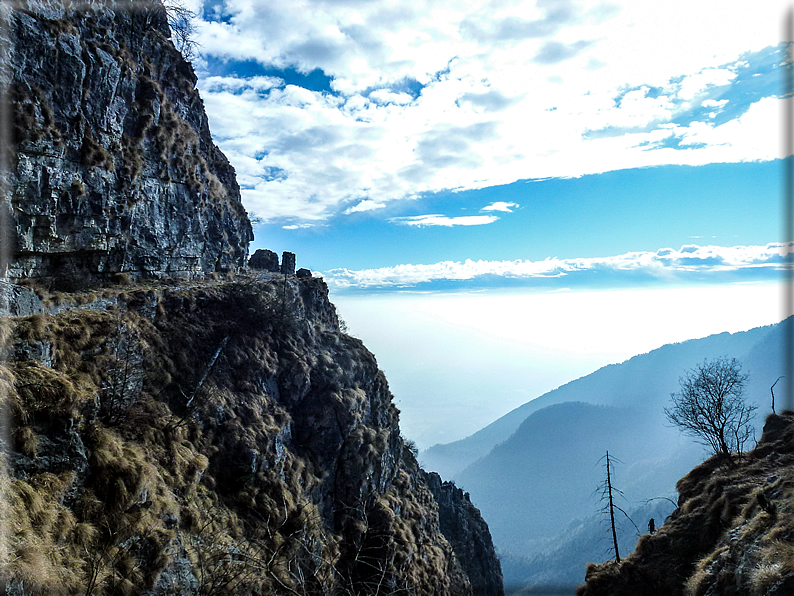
point(112, 167)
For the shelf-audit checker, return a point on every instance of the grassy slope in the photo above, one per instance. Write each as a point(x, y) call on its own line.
point(285, 473)
point(733, 533)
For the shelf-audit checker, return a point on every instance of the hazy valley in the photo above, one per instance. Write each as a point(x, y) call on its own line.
point(534, 471)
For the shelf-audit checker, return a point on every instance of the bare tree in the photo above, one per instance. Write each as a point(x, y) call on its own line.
point(183, 30)
point(608, 494)
point(710, 406)
point(124, 373)
point(772, 390)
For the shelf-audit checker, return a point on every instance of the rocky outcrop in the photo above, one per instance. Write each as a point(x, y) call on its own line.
point(288, 263)
point(732, 534)
point(461, 523)
point(220, 434)
point(265, 260)
point(112, 167)
point(16, 301)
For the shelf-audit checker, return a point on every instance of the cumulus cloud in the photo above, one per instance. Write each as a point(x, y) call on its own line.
point(449, 95)
point(421, 221)
point(665, 264)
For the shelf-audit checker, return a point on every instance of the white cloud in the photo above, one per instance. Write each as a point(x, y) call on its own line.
point(445, 221)
point(756, 132)
point(365, 205)
point(501, 206)
point(665, 263)
point(298, 226)
point(451, 95)
point(233, 84)
point(698, 83)
point(384, 96)
point(713, 103)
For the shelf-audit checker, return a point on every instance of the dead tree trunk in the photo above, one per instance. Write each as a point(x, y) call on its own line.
point(612, 511)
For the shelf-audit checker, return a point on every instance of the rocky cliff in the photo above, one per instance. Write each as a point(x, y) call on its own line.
point(224, 438)
point(112, 167)
point(461, 523)
point(732, 534)
point(215, 435)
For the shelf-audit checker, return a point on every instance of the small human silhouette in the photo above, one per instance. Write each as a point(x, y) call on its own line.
point(651, 526)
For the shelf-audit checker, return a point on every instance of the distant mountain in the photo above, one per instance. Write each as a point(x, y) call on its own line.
point(644, 380)
point(541, 478)
point(532, 486)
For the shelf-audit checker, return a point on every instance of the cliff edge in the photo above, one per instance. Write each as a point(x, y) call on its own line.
point(225, 438)
point(167, 431)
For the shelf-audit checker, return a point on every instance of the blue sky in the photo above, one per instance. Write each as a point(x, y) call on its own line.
point(416, 152)
point(592, 216)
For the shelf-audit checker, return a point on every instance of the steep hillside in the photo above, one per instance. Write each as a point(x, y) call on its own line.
point(112, 167)
point(732, 534)
point(219, 439)
point(642, 381)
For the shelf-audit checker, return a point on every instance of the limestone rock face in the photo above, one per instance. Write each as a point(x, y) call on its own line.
point(112, 166)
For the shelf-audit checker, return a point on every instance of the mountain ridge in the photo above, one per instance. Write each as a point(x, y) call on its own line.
point(532, 485)
point(451, 458)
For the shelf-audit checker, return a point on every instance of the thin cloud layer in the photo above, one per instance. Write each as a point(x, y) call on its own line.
point(445, 221)
point(332, 108)
point(689, 263)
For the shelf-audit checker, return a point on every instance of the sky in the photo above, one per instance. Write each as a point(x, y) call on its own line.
point(440, 163)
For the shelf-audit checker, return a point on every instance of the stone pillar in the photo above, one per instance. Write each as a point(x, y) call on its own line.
point(288, 263)
point(266, 260)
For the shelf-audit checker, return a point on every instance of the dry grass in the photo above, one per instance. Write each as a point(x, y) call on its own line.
point(732, 535)
point(259, 502)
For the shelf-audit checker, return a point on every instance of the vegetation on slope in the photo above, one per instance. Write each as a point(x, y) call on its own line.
point(225, 439)
point(732, 534)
